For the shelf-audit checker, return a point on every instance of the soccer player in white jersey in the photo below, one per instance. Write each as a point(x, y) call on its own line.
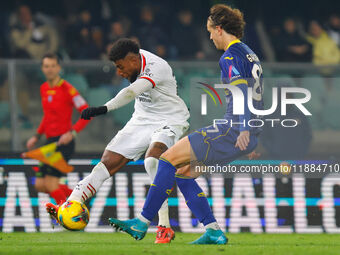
point(159, 120)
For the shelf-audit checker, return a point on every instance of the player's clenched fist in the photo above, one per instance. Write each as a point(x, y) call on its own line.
point(93, 112)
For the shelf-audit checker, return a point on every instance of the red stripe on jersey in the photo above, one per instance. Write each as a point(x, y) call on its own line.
point(149, 79)
point(143, 62)
point(83, 198)
point(90, 190)
point(92, 187)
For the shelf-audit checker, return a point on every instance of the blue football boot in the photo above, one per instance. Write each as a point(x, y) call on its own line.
point(134, 227)
point(212, 236)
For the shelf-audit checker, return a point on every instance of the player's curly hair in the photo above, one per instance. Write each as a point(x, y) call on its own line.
point(231, 20)
point(122, 47)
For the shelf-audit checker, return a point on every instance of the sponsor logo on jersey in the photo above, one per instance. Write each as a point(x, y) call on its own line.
point(147, 72)
point(233, 72)
point(144, 98)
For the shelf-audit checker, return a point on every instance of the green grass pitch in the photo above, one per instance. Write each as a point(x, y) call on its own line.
point(122, 244)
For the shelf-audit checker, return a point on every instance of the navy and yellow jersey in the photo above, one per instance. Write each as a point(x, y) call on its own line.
point(241, 67)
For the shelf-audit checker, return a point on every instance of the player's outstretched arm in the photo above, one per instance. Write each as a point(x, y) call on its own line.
point(124, 97)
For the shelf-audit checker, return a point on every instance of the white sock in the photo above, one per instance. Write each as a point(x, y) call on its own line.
point(87, 187)
point(151, 166)
point(213, 225)
point(163, 215)
point(142, 218)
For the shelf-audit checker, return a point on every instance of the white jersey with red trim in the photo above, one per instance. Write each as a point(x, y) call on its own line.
point(161, 104)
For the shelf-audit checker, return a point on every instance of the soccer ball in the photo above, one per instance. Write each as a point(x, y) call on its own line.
point(73, 215)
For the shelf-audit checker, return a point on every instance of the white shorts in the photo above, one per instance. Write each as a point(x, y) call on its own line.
point(134, 139)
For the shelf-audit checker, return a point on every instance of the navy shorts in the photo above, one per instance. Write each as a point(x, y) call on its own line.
point(67, 151)
point(217, 146)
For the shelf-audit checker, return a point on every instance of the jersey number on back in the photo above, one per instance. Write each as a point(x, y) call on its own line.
point(257, 72)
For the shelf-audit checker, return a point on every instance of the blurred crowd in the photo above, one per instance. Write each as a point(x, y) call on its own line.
point(86, 32)
point(83, 35)
point(313, 42)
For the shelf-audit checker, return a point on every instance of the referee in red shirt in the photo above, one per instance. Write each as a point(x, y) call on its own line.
point(58, 100)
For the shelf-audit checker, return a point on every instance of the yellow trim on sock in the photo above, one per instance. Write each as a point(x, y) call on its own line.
point(165, 160)
point(180, 176)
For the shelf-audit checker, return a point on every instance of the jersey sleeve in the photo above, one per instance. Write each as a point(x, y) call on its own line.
point(41, 128)
point(80, 104)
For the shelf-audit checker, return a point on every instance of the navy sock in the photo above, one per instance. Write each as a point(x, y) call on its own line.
point(160, 189)
point(195, 199)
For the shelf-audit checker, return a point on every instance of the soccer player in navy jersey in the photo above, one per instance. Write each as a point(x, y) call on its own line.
point(240, 67)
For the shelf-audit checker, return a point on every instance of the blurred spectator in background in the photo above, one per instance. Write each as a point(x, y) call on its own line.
point(30, 37)
point(86, 40)
point(325, 50)
point(98, 39)
point(85, 20)
point(333, 28)
point(252, 38)
point(290, 45)
point(185, 31)
point(118, 29)
point(150, 34)
point(86, 49)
